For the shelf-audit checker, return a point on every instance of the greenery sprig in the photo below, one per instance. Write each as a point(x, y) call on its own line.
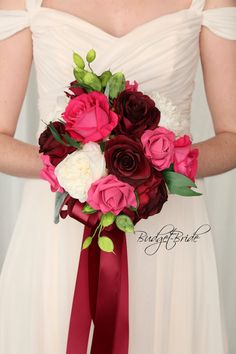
point(109, 84)
point(122, 221)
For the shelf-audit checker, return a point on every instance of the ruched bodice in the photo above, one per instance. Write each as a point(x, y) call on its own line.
point(161, 54)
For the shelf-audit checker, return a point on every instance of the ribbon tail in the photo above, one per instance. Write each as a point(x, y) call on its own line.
point(121, 341)
point(80, 320)
point(101, 291)
point(111, 328)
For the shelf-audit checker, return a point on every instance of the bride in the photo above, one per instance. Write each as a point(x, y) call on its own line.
point(174, 303)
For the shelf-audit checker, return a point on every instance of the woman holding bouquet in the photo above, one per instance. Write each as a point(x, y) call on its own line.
point(172, 303)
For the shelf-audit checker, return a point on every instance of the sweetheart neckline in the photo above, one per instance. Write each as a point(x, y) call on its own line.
point(107, 34)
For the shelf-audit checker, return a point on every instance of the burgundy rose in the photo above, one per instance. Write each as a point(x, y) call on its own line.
point(126, 160)
point(137, 113)
point(75, 89)
point(152, 195)
point(49, 146)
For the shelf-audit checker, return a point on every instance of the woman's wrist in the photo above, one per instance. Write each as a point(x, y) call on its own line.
point(18, 158)
point(216, 155)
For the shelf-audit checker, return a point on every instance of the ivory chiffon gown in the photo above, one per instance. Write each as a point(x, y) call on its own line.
point(174, 297)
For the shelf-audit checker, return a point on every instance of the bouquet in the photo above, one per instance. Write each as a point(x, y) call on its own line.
point(109, 152)
point(110, 164)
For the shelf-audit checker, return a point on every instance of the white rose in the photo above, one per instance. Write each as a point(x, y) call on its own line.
point(80, 169)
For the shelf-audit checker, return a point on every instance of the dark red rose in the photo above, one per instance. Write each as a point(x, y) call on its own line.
point(49, 146)
point(152, 195)
point(77, 90)
point(137, 113)
point(126, 160)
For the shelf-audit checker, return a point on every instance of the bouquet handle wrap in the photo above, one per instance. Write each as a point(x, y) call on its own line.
point(101, 291)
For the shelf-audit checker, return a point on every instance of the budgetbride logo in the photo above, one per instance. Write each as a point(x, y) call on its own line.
point(169, 237)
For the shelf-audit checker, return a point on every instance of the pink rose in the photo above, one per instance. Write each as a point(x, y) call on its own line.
point(131, 87)
point(185, 158)
point(109, 194)
point(159, 147)
point(48, 174)
point(89, 118)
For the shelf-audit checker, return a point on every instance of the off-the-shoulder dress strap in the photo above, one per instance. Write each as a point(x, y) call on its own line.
point(32, 4)
point(221, 21)
point(198, 4)
point(13, 21)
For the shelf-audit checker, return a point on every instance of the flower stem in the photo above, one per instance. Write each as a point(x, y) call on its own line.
point(90, 68)
point(100, 230)
point(99, 226)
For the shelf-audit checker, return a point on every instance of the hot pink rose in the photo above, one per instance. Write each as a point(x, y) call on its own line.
point(182, 147)
point(109, 194)
point(131, 87)
point(48, 174)
point(89, 118)
point(159, 147)
point(185, 158)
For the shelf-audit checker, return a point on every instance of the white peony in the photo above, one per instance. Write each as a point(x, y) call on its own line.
point(80, 169)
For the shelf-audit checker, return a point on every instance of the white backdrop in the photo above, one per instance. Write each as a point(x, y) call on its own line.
point(221, 199)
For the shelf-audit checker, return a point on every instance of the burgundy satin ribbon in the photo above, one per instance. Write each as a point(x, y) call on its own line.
point(101, 291)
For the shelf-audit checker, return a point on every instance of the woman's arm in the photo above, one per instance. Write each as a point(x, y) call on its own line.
point(218, 58)
point(16, 158)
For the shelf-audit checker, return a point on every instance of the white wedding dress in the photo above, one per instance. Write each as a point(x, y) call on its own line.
point(174, 294)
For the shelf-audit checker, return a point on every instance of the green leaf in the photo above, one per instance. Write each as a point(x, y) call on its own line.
point(137, 198)
point(78, 60)
point(91, 55)
point(91, 80)
point(87, 242)
point(83, 85)
point(124, 223)
point(56, 135)
point(105, 77)
point(72, 141)
point(178, 180)
point(116, 84)
point(179, 184)
point(87, 209)
point(108, 219)
point(102, 146)
point(79, 74)
point(171, 168)
point(59, 200)
point(185, 191)
point(107, 92)
point(105, 244)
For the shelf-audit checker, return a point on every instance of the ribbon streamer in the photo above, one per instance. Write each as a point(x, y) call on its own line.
point(101, 291)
